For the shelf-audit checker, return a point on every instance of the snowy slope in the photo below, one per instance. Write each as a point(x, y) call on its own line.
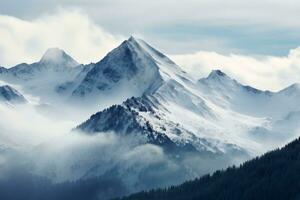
point(179, 112)
point(214, 114)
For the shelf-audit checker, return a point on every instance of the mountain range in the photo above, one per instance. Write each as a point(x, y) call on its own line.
point(137, 92)
point(215, 114)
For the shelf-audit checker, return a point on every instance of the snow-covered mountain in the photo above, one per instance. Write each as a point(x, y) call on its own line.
point(228, 93)
point(215, 114)
point(126, 71)
point(46, 78)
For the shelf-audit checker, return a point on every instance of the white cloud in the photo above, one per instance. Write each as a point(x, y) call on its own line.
point(26, 41)
point(262, 72)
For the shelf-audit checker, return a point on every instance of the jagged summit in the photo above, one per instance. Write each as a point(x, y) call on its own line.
point(135, 41)
point(137, 47)
point(57, 56)
point(131, 67)
point(218, 75)
point(219, 79)
point(132, 39)
point(154, 53)
point(134, 67)
point(130, 49)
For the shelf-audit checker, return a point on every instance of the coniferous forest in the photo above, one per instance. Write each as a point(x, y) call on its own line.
point(275, 175)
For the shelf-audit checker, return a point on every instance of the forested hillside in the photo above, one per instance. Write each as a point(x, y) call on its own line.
point(275, 175)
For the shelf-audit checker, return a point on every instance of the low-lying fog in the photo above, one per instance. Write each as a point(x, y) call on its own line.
point(41, 150)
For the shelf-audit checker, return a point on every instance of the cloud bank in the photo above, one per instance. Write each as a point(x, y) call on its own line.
point(263, 72)
point(73, 31)
point(40, 149)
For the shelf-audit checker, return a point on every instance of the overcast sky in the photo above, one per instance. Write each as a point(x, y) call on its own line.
point(252, 26)
point(253, 41)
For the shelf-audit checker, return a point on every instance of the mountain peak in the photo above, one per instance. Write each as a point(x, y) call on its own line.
point(132, 39)
point(52, 54)
point(129, 46)
point(128, 63)
point(58, 57)
point(133, 44)
point(216, 74)
point(220, 79)
point(219, 76)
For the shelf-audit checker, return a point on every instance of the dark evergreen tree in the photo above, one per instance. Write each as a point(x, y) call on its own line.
point(275, 175)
